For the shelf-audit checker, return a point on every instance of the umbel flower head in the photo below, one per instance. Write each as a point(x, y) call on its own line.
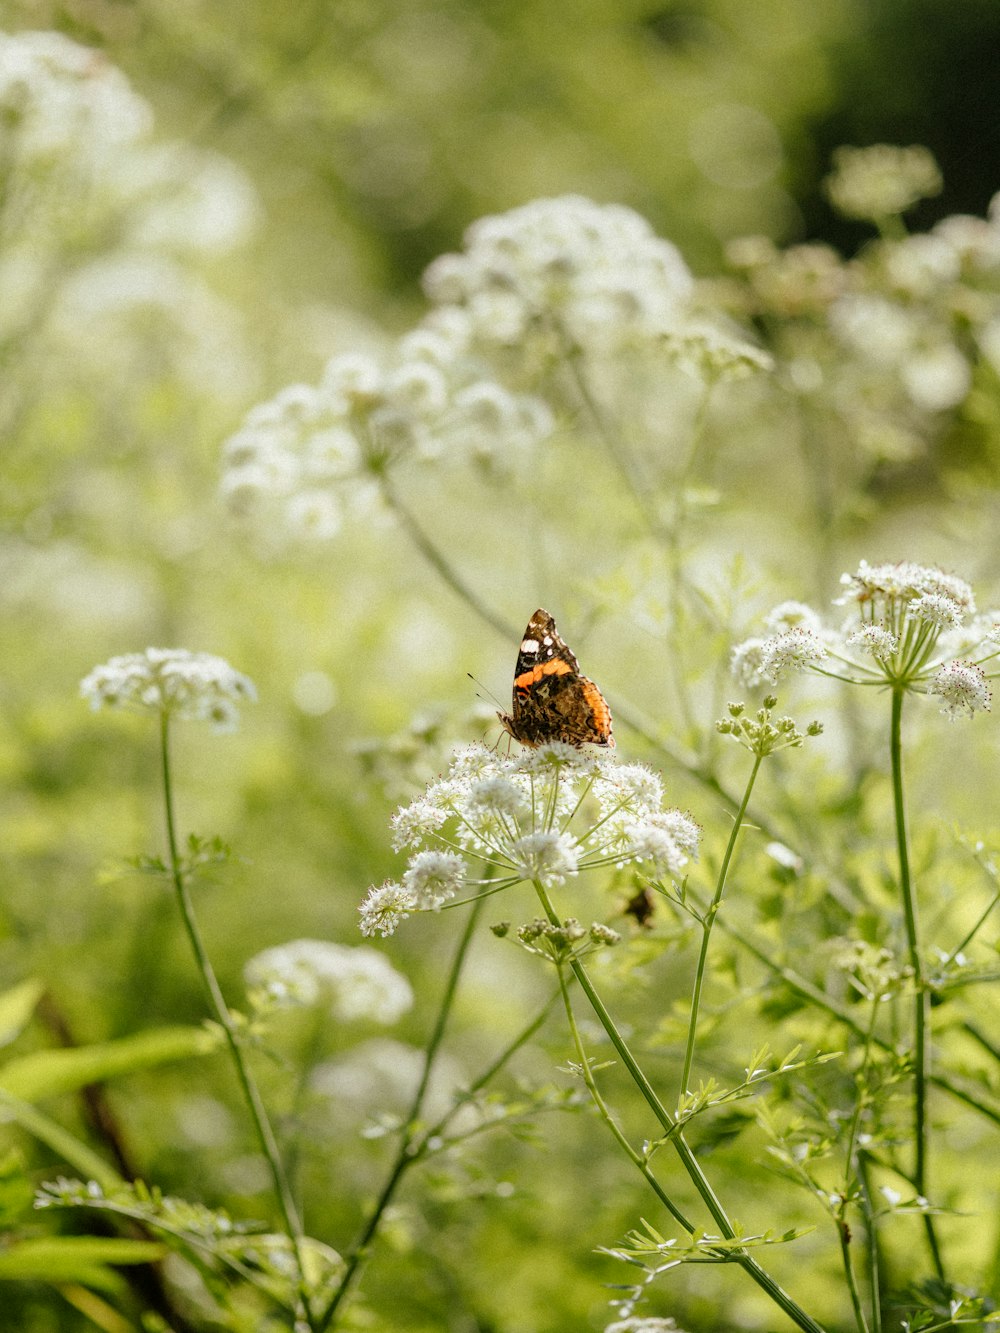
point(881, 181)
point(562, 269)
point(908, 626)
point(312, 453)
point(543, 816)
point(171, 681)
point(354, 982)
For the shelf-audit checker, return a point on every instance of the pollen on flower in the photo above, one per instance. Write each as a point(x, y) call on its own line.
point(963, 687)
point(665, 841)
point(172, 681)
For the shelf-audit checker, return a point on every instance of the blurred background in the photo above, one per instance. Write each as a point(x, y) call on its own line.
point(260, 189)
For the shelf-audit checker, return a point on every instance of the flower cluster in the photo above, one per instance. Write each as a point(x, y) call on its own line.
point(910, 626)
point(881, 181)
point(559, 274)
point(172, 681)
point(543, 816)
point(315, 451)
point(893, 341)
point(355, 983)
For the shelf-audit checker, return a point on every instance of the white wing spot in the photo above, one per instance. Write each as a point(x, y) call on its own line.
point(529, 646)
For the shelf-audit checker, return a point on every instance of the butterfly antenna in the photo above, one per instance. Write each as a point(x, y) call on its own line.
point(483, 687)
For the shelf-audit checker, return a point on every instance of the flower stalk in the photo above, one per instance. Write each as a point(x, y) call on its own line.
point(251, 1094)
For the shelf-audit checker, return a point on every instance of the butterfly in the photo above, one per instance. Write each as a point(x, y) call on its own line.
point(552, 700)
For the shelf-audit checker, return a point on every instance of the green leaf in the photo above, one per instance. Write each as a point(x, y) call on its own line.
point(74, 1258)
point(49, 1073)
point(16, 1007)
point(61, 1141)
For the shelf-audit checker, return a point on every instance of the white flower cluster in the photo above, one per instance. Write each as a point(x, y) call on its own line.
point(906, 626)
point(644, 1324)
point(354, 982)
point(881, 181)
point(543, 815)
point(174, 681)
point(70, 118)
point(313, 451)
point(563, 273)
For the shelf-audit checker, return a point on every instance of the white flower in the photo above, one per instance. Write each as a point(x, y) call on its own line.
point(935, 608)
point(710, 353)
point(433, 878)
point(632, 787)
point(562, 269)
point(881, 181)
point(171, 680)
point(498, 795)
point(795, 650)
point(903, 582)
point(793, 615)
point(643, 1324)
point(745, 662)
point(963, 687)
point(876, 640)
point(546, 856)
point(547, 815)
point(384, 908)
point(412, 823)
point(357, 982)
point(666, 840)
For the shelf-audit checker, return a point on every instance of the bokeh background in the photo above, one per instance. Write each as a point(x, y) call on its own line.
point(299, 168)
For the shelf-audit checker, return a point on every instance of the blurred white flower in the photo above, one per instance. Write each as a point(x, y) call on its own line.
point(881, 181)
point(355, 982)
point(173, 681)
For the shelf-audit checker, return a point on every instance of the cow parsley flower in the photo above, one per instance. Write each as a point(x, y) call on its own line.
point(315, 452)
point(963, 687)
point(563, 271)
point(355, 982)
point(171, 681)
point(541, 816)
point(906, 626)
point(882, 181)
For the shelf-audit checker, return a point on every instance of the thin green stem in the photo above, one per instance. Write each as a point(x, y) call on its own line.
point(921, 995)
point(676, 1136)
point(844, 1234)
point(251, 1094)
point(805, 988)
point(708, 920)
point(406, 1156)
point(440, 563)
point(871, 1228)
point(617, 452)
point(636, 1158)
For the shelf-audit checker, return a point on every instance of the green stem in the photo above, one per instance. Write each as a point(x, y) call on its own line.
point(251, 1095)
point(619, 455)
point(852, 1172)
point(708, 920)
point(405, 1157)
point(805, 988)
point(874, 1281)
point(637, 1159)
point(921, 995)
point(676, 1136)
point(852, 1281)
point(439, 563)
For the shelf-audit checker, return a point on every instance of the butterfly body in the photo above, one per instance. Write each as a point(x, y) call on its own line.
point(552, 701)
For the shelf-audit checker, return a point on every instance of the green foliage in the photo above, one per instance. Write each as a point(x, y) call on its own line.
point(423, 1137)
